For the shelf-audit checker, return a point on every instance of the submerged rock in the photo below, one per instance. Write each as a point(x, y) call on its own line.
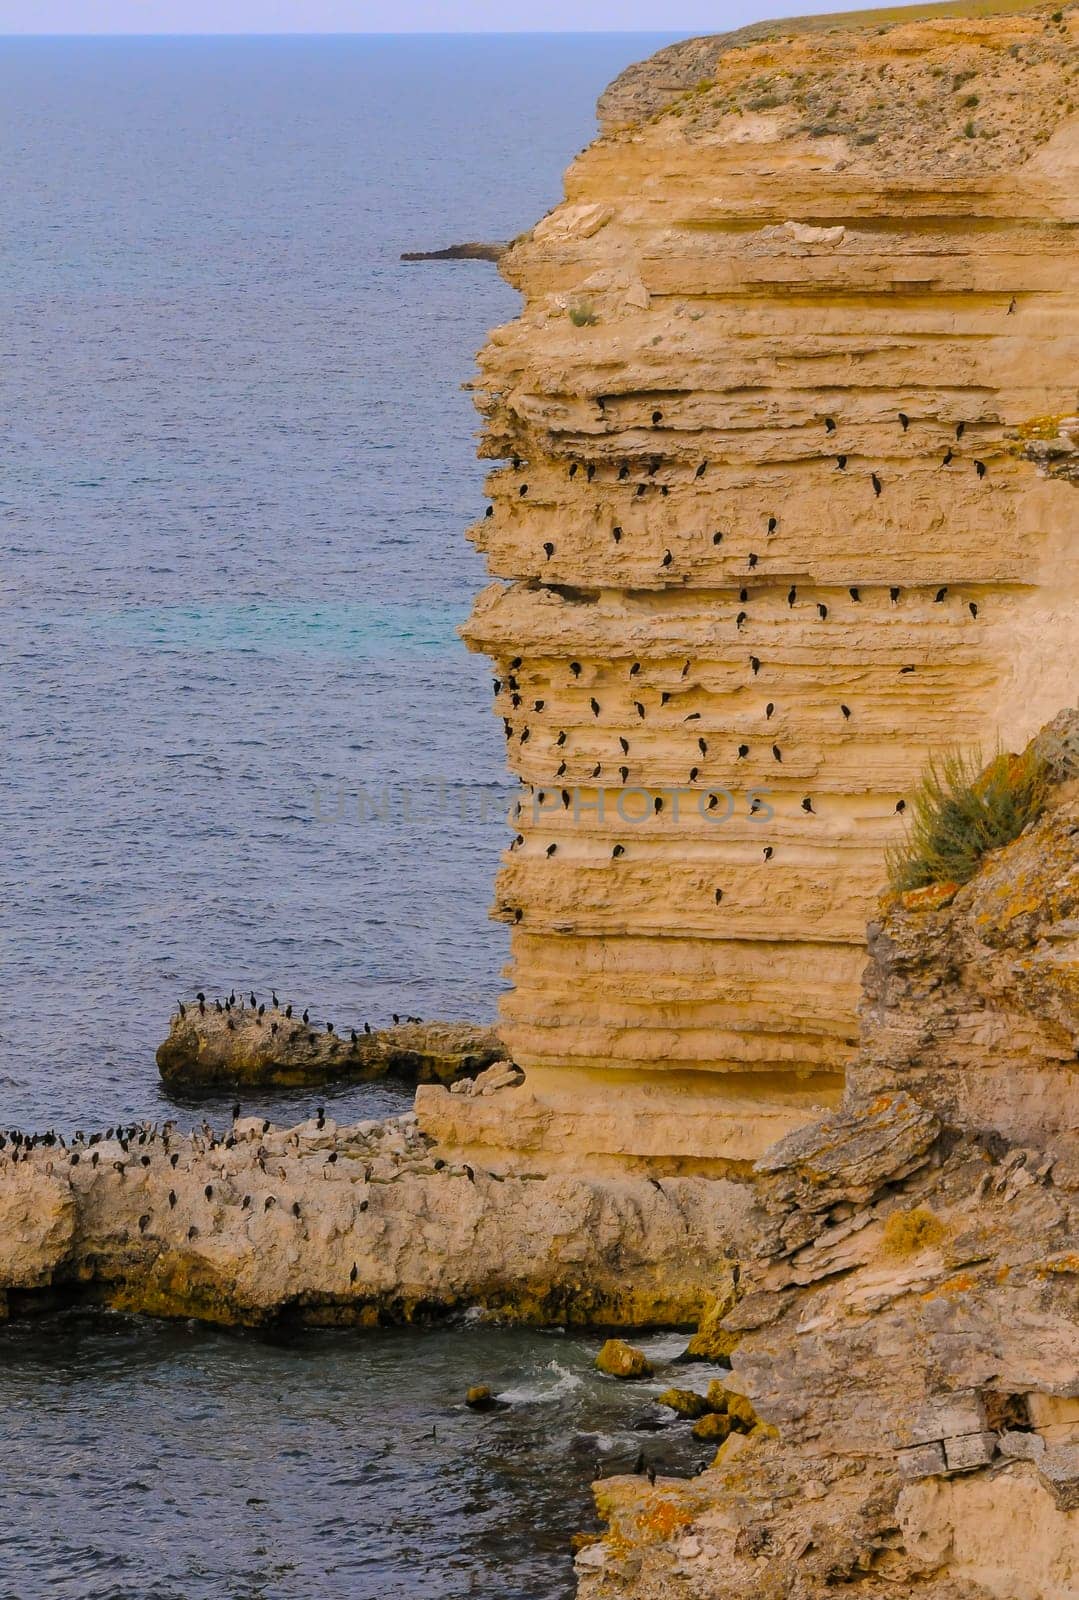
point(482, 1398)
point(621, 1360)
point(211, 1049)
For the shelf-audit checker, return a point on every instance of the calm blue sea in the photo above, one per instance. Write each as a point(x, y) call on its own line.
point(237, 466)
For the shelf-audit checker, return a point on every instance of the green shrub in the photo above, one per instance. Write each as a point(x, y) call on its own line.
point(582, 316)
point(969, 130)
point(961, 811)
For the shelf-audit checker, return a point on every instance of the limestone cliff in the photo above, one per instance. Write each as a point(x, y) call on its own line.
point(767, 529)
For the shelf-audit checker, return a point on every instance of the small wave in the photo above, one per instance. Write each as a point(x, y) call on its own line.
point(538, 1393)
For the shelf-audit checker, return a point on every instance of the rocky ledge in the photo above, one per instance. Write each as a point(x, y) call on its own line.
point(213, 1046)
point(347, 1225)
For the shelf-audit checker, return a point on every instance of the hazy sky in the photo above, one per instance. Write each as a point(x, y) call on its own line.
point(380, 16)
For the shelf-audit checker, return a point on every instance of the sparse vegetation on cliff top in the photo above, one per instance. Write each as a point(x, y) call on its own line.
point(963, 809)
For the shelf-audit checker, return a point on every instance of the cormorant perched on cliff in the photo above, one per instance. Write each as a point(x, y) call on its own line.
point(980, 468)
point(594, 703)
point(743, 596)
point(288, 1009)
point(551, 848)
point(940, 595)
point(719, 896)
point(949, 456)
point(773, 524)
point(623, 773)
point(590, 471)
point(560, 769)
point(639, 708)
point(548, 549)
point(573, 469)
point(616, 535)
point(768, 710)
point(518, 915)
point(972, 608)
point(664, 696)
point(900, 806)
point(846, 712)
point(209, 1191)
point(596, 770)
point(525, 736)
point(367, 1027)
point(768, 852)
point(960, 429)
point(702, 746)
point(894, 594)
point(829, 424)
point(183, 1008)
point(685, 669)
point(561, 737)
point(575, 668)
point(657, 418)
point(235, 1112)
point(717, 538)
point(667, 559)
point(218, 1008)
point(623, 472)
point(624, 742)
point(489, 512)
point(329, 1027)
point(822, 611)
point(755, 663)
point(694, 774)
point(841, 463)
point(306, 1015)
point(854, 594)
point(743, 751)
point(261, 1011)
point(619, 850)
point(807, 805)
point(876, 484)
point(276, 1001)
point(753, 558)
point(792, 594)
point(777, 752)
point(538, 705)
point(904, 421)
point(254, 1002)
point(740, 619)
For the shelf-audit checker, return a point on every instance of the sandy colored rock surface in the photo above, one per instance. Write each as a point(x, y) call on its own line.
point(766, 520)
point(327, 1224)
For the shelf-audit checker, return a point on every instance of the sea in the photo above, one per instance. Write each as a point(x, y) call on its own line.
point(243, 747)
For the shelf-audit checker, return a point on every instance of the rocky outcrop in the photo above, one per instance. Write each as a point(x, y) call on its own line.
point(972, 1002)
point(348, 1225)
point(907, 1328)
point(764, 535)
point(211, 1048)
point(457, 252)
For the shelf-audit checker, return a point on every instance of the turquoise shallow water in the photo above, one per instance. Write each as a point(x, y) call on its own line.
point(238, 466)
point(237, 469)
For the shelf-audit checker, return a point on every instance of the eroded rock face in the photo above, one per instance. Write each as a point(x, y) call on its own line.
point(907, 1330)
point(360, 1224)
point(765, 525)
point(974, 1006)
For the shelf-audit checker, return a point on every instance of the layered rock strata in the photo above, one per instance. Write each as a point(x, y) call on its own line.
point(765, 536)
point(210, 1048)
point(907, 1330)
